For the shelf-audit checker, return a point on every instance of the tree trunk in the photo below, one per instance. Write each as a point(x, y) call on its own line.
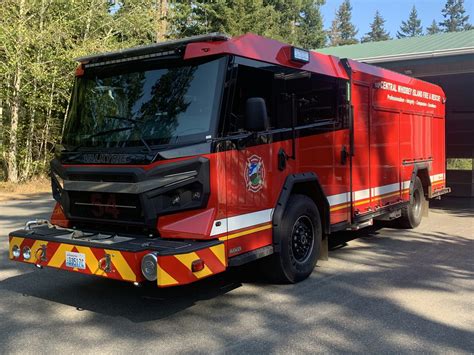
point(3, 172)
point(161, 20)
point(88, 21)
point(12, 166)
point(46, 126)
point(26, 166)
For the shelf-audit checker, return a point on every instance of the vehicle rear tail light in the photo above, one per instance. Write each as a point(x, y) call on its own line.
point(197, 265)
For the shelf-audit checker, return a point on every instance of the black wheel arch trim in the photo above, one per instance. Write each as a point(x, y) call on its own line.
point(290, 182)
point(425, 180)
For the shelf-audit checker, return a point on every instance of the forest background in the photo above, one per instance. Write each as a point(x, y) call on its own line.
point(39, 40)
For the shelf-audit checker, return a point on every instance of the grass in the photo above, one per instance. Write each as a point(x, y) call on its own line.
point(12, 191)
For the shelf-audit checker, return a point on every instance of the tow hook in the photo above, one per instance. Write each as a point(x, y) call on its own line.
point(43, 253)
point(42, 256)
point(105, 263)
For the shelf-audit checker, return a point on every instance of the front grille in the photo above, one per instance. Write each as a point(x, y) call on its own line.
point(106, 206)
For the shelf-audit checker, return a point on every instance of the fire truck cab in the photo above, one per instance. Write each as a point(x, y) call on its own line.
point(183, 158)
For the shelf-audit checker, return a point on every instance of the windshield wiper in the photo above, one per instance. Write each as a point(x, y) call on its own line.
point(107, 131)
point(135, 125)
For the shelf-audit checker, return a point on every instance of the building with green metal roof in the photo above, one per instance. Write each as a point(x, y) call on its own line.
point(441, 44)
point(446, 59)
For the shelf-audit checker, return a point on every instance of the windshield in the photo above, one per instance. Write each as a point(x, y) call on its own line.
point(145, 105)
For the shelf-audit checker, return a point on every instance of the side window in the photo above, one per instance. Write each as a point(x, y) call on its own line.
point(318, 99)
point(251, 82)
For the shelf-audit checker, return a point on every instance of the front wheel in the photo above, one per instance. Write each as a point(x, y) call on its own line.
point(300, 236)
point(413, 212)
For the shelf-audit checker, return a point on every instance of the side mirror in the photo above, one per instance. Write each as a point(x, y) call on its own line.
point(256, 118)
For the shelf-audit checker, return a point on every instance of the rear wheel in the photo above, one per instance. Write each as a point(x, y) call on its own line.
point(413, 212)
point(300, 236)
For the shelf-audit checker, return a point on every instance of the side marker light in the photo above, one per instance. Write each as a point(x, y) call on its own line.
point(197, 265)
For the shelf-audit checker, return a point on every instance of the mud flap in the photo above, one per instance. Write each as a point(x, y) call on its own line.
point(425, 207)
point(324, 250)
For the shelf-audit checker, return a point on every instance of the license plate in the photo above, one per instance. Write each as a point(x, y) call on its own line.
point(75, 260)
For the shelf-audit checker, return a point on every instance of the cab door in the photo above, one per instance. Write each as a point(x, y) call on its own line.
point(253, 179)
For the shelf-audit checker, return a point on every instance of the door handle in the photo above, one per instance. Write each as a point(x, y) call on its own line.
point(344, 155)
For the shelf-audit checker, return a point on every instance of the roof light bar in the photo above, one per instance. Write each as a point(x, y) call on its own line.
point(152, 48)
point(130, 59)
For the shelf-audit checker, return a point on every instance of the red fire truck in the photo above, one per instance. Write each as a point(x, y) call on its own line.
point(183, 158)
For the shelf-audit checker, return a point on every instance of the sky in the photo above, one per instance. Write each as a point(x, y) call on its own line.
point(393, 11)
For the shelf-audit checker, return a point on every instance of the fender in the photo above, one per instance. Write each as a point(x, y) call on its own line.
point(312, 188)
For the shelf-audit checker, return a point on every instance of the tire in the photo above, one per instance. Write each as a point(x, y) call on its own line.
point(413, 212)
point(300, 234)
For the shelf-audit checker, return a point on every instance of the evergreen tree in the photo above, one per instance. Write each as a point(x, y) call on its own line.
point(346, 29)
point(377, 31)
point(411, 27)
point(309, 31)
point(434, 28)
point(333, 34)
point(298, 22)
point(455, 18)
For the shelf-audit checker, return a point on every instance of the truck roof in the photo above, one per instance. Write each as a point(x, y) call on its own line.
point(248, 45)
point(251, 46)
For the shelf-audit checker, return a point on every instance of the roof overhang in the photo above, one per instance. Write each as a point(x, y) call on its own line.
point(417, 55)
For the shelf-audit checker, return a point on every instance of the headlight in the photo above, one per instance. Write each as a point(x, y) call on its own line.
point(16, 251)
point(150, 267)
point(26, 253)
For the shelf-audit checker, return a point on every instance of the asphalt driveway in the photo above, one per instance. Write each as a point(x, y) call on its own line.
point(382, 290)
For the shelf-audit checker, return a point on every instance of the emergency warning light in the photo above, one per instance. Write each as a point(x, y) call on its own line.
point(299, 55)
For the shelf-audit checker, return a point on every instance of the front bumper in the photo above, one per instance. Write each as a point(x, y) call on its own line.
point(119, 256)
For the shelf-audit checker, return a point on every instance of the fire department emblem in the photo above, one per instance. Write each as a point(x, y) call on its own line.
point(254, 173)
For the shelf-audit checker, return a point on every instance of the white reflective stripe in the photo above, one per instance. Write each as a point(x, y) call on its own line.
point(338, 199)
point(436, 177)
point(242, 221)
point(219, 227)
point(381, 190)
point(405, 184)
point(361, 194)
point(254, 218)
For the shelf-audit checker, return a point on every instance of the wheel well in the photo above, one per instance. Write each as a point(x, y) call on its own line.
point(306, 184)
point(314, 191)
point(425, 180)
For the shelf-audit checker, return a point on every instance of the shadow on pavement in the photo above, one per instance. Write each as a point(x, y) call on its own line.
point(459, 206)
point(354, 305)
point(409, 263)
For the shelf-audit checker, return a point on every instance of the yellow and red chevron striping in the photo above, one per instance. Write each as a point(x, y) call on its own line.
point(177, 269)
point(124, 265)
point(172, 269)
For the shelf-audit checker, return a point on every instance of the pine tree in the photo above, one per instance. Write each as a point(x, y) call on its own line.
point(309, 30)
point(333, 34)
point(377, 32)
point(346, 29)
point(411, 27)
point(454, 17)
point(434, 28)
